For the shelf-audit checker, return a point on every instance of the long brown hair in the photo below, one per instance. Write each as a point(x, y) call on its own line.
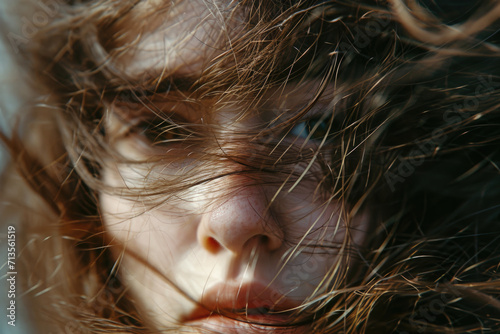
point(412, 141)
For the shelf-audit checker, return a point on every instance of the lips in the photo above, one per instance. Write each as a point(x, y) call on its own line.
point(248, 302)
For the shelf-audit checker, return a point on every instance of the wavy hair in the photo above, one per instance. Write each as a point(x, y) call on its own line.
point(410, 95)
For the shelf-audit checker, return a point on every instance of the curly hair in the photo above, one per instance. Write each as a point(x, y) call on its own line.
point(408, 97)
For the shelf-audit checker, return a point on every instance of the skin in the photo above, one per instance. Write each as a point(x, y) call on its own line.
point(223, 240)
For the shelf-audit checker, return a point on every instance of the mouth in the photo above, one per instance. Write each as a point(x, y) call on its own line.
point(252, 302)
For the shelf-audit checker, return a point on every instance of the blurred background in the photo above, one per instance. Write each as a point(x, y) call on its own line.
point(13, 92)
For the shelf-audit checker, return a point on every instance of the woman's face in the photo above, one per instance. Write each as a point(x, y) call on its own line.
point(236, 245)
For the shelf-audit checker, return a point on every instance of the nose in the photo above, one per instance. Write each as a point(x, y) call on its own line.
point(239, 220)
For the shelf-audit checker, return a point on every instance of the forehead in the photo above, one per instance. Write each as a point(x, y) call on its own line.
point(176, 42)
point(179, 38)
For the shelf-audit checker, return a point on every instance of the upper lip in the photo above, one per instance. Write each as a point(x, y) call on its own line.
point(249, 299)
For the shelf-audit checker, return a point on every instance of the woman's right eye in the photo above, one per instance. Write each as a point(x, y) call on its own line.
point(161, 132)
point(154, 124)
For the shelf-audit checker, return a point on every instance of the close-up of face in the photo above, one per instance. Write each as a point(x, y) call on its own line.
point(223, 249)
point(242, 248)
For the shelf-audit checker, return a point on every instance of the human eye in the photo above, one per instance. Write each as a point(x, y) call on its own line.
point(154, 125)
point(316, 129)
point(159, 132)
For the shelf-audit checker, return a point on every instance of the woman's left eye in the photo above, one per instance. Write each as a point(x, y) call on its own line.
point(316, 128)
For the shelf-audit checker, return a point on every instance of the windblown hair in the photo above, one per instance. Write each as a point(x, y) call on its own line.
point(412, 141)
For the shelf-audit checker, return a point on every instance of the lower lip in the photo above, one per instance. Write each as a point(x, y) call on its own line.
point(252, 324)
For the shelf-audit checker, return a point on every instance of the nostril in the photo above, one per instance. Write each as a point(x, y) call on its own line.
point(212, 245)
point(262, 241)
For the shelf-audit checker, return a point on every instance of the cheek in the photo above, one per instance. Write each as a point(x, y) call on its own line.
point(309, 217)
point(158, 235)
point(149, 245)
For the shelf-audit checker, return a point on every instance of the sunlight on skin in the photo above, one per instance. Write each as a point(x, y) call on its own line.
point(219, 238)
